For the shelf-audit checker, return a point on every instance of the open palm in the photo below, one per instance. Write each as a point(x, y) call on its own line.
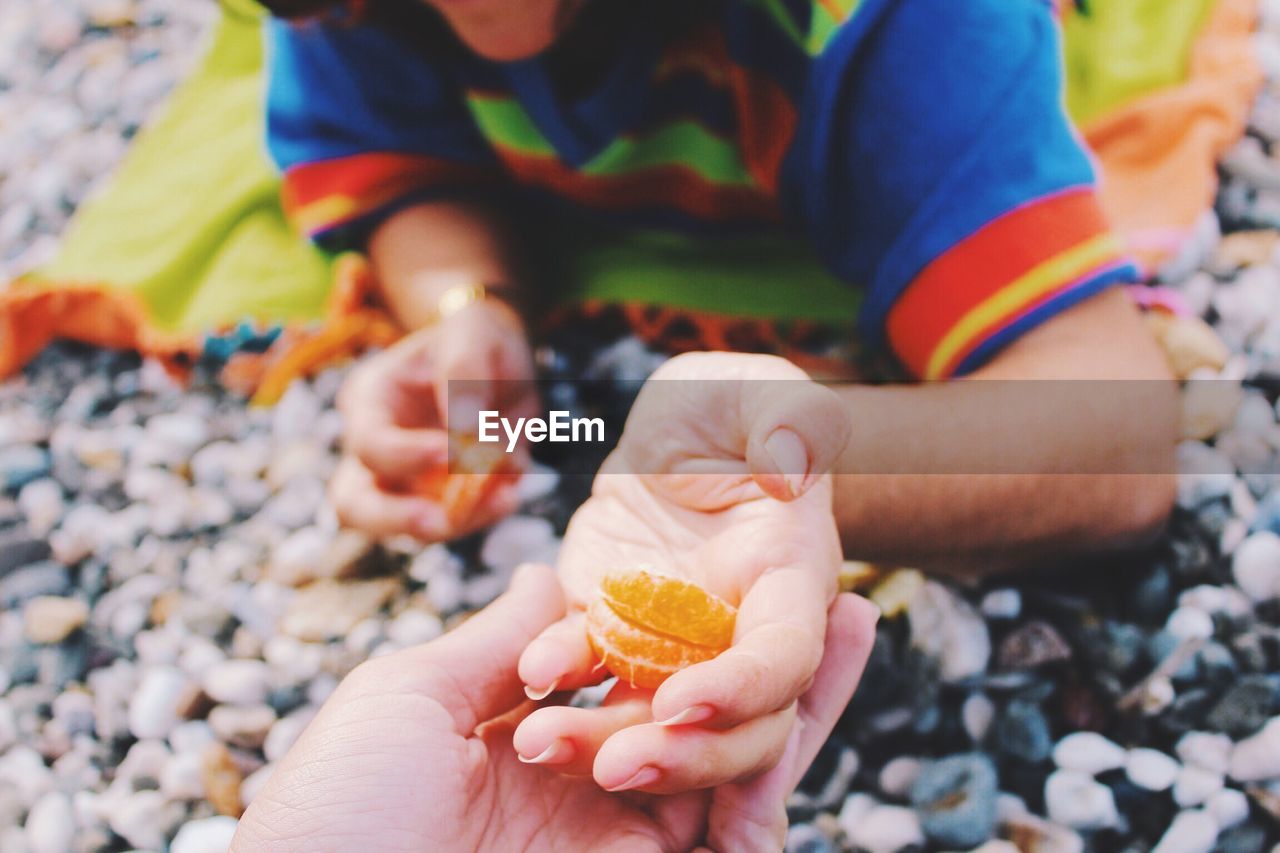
point(720, 477)
point(413, 752)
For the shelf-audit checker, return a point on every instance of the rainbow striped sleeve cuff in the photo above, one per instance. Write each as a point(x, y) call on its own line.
point(325, 195)
point(1015, 272)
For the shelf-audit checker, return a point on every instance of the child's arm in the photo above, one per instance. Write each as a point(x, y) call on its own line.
point(937, 165)
point(380, 154)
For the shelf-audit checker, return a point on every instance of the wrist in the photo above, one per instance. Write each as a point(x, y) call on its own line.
point(440, 294)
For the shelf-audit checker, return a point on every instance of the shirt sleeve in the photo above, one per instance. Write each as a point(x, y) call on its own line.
point(934, 163)
point(361, 125)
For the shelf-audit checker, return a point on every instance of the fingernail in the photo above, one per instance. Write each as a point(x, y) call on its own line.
point(787, 451)
point(644, 776)
point(688, 716)
point(464, 413)
point(538, 695)
point(559, 752)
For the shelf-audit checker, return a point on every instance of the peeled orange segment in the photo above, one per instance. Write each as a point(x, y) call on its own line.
point(645, 626)
point(670, 605)
point(475, 473)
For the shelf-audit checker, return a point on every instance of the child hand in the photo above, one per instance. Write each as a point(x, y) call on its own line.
point(396, 407)
point(725, 482)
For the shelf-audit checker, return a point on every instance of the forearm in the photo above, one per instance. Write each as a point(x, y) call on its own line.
point(981, 475)
point(422, 251)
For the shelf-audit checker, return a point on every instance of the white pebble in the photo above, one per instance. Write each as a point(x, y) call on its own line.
point(1151, 769)
point(856, 806)
point(138, 819)
point(182, 778)
point(1228, 807)
point(1192, 831)
point(1074, 799)
point(947, 628)
point(414, 627)
point(977, 713)
point(50, 825)
point(899, 774)
point(1257, 757)
point(1002, 604)
point(885, 829)
point(518, 539)
point(238, 682)
point(1088, 752)
point(1256, 566)
point(1195, 785)
point(1208, 750)
point(254, 783)
point(208, 835)
point(284, 733)
point(153, 710)
point(1190, 623)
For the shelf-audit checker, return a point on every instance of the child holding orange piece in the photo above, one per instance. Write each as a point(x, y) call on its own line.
point(921, 149)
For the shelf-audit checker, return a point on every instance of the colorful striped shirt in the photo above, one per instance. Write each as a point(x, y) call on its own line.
point(920, 145)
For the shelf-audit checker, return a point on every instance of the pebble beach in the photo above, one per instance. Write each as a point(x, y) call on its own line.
point(177, 598)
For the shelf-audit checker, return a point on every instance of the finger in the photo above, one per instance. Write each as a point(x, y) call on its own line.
point(471, 670)
point(796, 431)
point(851, 634)
point(567, 739)
point(359, 503)
point(560, 659)
point(468, 388)
point(739, 811)
point(396, 453)
point(668, 760)
point(752, 815)
point(778, 647)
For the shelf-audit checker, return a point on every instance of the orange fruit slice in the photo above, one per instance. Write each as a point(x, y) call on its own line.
point(646, 626)
point(475, 472)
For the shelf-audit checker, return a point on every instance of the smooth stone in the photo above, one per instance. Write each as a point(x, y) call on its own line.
point(328, 609)
point(1246, 707)
point(50, 826)
point(899, 774)
point(1190, 623)
point(414, 627)
point(1208, 750)
point(1195, 785)
point(21, 464)
point(285, 732)
point(1032, 645)
point(977, 714)
point(1192, 831)
point(1075, 800)
point(254, 783)
point(1002, 604)
point(238, 682)
point(49, 619)
point(1022, 731)
point(947, 628)
point(138, 819)
point(244, 726)
point(807, 838)
point(1088, 752)
point(311, 553)
point(182, 777)
point(207, 835)
point(1257, 758)
point(855, 807)
point(18, 549)
point(956, 799)
point(1229, 807)
point(1151, 769)
point(44, 578)
point(518, 539)
point(222, 779)
point(1256, 566)
point(153, 711)
point(886, 829)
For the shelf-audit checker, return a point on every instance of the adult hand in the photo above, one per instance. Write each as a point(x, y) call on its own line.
point(413, 752)
point(720, 476)
point(396, 407)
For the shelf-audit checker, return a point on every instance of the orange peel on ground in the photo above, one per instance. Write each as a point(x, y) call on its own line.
point(645, 626)
point(475, 472)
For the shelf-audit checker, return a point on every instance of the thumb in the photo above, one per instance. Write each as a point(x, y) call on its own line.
point(471, 670)
point(796, 431)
